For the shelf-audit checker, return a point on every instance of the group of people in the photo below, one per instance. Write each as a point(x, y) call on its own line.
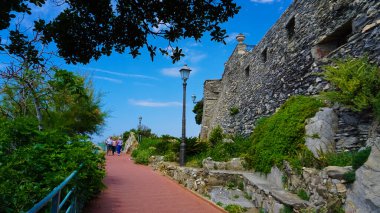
point(114, 145)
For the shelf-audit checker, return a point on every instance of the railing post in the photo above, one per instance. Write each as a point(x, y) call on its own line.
point(55, 202)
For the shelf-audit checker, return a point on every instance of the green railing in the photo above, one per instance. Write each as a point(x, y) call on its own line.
point(69, 202)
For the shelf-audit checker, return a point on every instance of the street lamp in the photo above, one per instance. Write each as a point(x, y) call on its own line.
point(193, 97)
point(185, 73)
point(139, 136)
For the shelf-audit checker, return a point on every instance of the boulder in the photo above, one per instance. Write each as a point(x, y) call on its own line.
point(235, 164)
point(337, 172)
point(364, 196)
point(320, 131)
point(131, 143)
point(208, 163)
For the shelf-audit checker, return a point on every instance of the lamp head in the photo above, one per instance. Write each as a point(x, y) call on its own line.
point(185, 72)
point(193, 97)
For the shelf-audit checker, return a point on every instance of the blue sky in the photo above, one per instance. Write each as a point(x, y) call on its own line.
point(153, 90)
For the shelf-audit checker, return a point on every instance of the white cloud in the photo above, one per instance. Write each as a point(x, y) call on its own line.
point(231, 37)
point(121, 73)
point(262, 1)
point(173, 71)
point(196, 57)
point(108, 79)
point(143, 84)
point(148, 103)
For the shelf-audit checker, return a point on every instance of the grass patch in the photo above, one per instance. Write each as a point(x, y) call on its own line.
point(232, 208)
point(286, 209)
point(354, 158)
point(303, 195)
point(234, 111)
point(281, 136)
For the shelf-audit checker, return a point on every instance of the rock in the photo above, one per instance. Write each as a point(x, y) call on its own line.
point(235, 164)
point(364, 196)
point(320, 131)
point(208, 163)
point(336, 172)
point(341, 188)
point(131, 143)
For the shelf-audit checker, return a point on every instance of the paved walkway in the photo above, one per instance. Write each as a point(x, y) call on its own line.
point(133, 188)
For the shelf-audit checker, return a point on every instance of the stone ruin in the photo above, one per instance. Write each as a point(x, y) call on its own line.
point(257, 79)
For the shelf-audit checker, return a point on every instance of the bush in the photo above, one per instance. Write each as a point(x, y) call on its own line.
point(353, 158)
point(198, 110)
point(357, 83)
point(281, 136)
point(349, 176)
point(360, 158)
point(142, 156)
point(170, 156)
point(155, 146)
point(216, 136)
point(337, 159)
point(31, 171)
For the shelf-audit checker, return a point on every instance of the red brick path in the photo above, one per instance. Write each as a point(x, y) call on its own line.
point(133, 188)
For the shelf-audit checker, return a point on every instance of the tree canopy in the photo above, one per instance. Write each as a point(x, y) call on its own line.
point(86, 30)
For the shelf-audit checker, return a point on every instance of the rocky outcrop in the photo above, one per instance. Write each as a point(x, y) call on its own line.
point(364, 196)
point(131, 143)
point(320, 131)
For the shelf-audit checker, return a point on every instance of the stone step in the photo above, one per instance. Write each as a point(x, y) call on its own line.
point(279, 194)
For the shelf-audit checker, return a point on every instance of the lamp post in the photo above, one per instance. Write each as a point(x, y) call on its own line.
point(139, 136)
point(185, 73)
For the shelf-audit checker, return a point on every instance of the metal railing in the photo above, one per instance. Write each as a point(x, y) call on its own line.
point(55, 197)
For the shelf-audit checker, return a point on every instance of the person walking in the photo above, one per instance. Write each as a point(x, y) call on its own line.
point(119, 145)
point(109, 145)
point(114, 143)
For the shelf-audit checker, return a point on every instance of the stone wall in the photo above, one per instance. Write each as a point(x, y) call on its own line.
point(211, 96)
point(326, 188)
point(282, 64)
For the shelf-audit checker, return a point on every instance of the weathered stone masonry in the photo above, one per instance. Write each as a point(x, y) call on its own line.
point(282, 64)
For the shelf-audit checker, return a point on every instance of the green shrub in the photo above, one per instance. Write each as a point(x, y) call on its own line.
point(303, 194)
point(349, 176)
point(281, 136)
point(170, 156)
point(31, 171)
point(142, 156)
point(198, 110)
point(360, 158)
point(357, 83)
point(234, 111)
point(156, 146)
point(286, 209)
point(232, 208)
point(337, 159)
point(193, 146)
point(352, 158)
point(216, 136)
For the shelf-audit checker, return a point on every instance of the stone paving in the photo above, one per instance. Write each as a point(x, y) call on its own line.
point(136, 188)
